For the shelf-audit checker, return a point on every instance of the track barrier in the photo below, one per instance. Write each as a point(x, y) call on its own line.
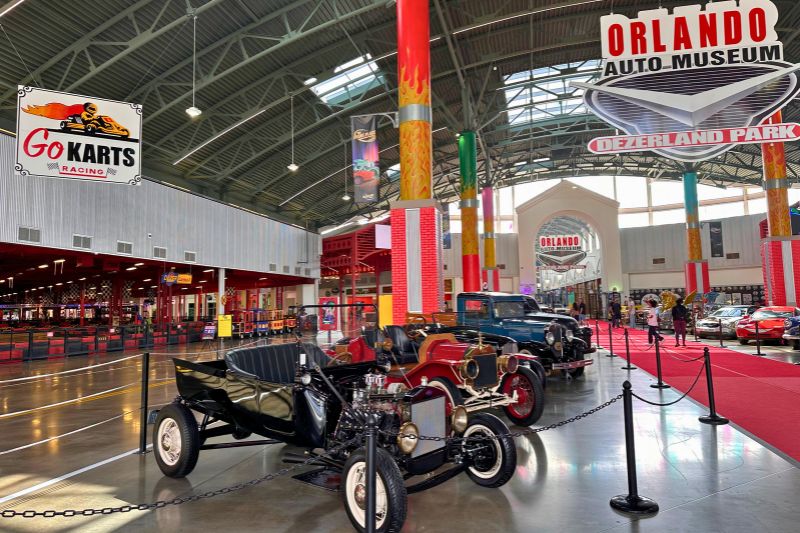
point(628, 353)
point(712, 417)
point(660, 384)
point(632, 502)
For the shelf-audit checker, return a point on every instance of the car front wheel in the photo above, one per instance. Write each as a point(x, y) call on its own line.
point(530, 396)
point(492, 455)
point(176, 440)
point(391, 499)
point(743, 341)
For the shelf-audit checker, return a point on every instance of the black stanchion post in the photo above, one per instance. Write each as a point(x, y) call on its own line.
point(712, 418)
point(721, 344)
point(627, 353)
point(660, 384)
point(610, 342)
point(143, 414)
point(631, 503)
point(597, 332)
point(372, 438)
point(758, 341)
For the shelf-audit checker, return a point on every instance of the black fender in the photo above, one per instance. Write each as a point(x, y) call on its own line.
point(538, 369)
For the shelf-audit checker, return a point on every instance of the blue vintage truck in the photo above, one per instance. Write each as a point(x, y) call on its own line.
point(558, 340)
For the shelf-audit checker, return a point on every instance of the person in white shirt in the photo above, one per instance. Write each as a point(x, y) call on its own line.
point(652, 323)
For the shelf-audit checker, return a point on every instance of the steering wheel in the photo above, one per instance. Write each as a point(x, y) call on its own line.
point(414, 333)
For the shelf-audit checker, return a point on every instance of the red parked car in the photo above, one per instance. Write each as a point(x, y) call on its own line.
point(770, 323)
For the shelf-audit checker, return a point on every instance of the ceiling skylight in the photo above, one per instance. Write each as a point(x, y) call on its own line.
point(350, 81)
point(544, 93)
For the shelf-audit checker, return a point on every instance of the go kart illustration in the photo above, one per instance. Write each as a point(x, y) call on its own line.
point(91, 123)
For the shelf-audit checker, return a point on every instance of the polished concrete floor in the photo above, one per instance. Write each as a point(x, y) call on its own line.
point(706, 479)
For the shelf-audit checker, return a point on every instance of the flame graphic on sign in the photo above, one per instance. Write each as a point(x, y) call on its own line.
point(54, 110)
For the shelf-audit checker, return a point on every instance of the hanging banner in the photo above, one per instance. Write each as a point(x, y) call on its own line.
point(62, 135)
point(328, 317)
point(692, 83)
point(715, 239)
point(366, 169)
point(560, 253)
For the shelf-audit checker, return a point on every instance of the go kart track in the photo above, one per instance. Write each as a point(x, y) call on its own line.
point(696, 473)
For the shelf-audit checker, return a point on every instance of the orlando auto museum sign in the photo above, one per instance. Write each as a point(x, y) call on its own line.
point(69, 136)
point(692, 83)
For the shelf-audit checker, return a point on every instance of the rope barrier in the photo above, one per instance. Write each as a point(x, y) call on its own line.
point(685, 394)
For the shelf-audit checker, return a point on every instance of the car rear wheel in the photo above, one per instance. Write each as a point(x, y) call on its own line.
point(491, 452)
point(530, 396)
point(176, 440)
point(391, 499)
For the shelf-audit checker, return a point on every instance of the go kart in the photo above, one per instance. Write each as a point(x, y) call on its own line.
point(290, 393)
point(99, 124)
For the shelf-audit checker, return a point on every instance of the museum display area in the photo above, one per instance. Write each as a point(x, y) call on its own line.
point(399, 265)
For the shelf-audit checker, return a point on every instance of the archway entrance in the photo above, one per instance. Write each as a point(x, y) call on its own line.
point(568, 263)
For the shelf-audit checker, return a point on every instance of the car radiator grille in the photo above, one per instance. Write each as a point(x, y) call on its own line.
point(487, 374)
point(429, 417)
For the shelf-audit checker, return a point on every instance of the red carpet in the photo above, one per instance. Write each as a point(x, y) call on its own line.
point(760, 395)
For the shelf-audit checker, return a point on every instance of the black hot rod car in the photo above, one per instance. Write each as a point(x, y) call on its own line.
point(294, 393)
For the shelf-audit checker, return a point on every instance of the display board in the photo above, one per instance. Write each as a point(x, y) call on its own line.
point(209, 332)
point(692, 83)
point(70, 136)
point(225, 325)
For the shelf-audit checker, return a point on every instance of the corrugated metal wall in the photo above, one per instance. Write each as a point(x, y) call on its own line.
point(641, 245)
point(222, 236)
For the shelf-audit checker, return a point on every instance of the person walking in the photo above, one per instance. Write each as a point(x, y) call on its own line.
point(652, 323)
point(679, 316)
point(581, 312)
point(631, 313)
point(616, 314)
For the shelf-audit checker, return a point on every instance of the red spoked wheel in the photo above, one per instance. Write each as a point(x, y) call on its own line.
point(530, 396)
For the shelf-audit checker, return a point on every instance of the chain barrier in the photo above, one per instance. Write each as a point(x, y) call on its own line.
point(68, 513)
point(685, 394)
point(516, 434)
point(684, 360)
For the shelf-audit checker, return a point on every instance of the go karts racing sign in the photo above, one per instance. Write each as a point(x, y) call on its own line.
point(62, 135)
point(691, 84)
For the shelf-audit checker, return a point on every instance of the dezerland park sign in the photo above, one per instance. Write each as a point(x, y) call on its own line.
point(693, 83)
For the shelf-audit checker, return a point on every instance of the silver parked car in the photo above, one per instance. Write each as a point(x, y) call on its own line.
point(730, 315)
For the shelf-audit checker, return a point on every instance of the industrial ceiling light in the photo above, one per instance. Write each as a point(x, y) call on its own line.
point(193, 111)
point(44, 265)
point(293, 167)
point(12, 6)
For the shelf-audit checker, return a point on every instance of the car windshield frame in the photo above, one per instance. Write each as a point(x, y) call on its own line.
point(531, 305)
point(760, 314)
point(509, 309)
point(725, 312)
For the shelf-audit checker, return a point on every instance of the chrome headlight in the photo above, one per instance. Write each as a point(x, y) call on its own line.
point(508, 363)
point(305, 379)
point(407, 437)
point(469, 369)
point(550, 337)
point(459, 419)
point(570, 335)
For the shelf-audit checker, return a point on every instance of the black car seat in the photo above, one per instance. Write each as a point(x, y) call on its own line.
point(404, 348)
point(275, 363)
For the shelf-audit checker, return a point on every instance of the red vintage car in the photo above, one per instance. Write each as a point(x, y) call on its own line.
point(770, 323)
point(474, 376)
